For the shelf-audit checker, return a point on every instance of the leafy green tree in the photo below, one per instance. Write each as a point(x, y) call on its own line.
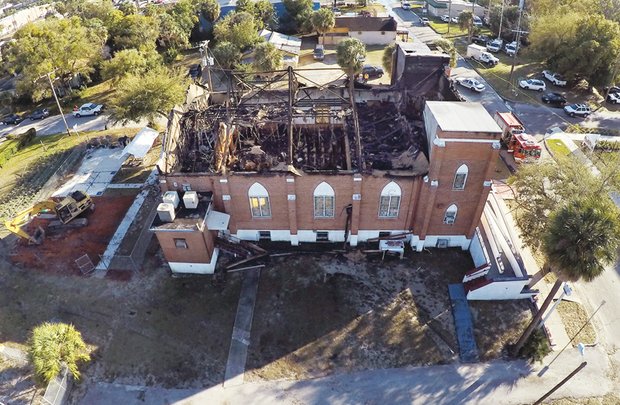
point(323, 20)
point(466, 22)
point(209, 9)
point(149, 95)
point(300, 11)
point(135, 31)
point(386, 59)
point(129, 62)
point(582, 238)
point(264, 12)
point(586, 46)
point(447, 47)
point(184, 14)
point(61, 46)
point(51, 345)
point(239, 29)
point(227, 55)
point(266, 57)
point(509, 21)
point(536, 347)
point(128, 7)
point(244, 6)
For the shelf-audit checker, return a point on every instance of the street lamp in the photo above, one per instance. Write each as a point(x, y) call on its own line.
point(566, 291)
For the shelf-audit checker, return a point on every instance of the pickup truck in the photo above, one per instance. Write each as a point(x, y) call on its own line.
point(554, 78)
point(88, 109)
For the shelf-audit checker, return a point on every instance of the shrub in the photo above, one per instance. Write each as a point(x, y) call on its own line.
point(53, 344)
point(536, 347)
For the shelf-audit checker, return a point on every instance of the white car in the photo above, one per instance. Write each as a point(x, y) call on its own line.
point(425, 21)
point(511, 49)
point(477, 21)
point(455, 20)
point(533, 84)
point(495, 45)
point(577, 109)
point(613, 98)
point(471, 84)
point(554, 78)
point(445, 18)
point(405, 5)
point(88, 109)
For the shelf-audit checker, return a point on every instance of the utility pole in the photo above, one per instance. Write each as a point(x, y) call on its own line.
point(49, 78)
point(518, 41)
point(568, 377)
point(207, 61)
point(449, 15)
point(501, 20)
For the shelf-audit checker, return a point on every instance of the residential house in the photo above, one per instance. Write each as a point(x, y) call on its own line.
point(289, 46)
point(369, 30)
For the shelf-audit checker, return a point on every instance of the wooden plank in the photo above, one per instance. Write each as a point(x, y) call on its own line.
point(258, 266)
point(249, 259)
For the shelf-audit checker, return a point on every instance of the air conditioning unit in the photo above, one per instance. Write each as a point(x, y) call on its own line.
point(190, 200)
point(171, 197)
point(449, 220)
point(166, 212)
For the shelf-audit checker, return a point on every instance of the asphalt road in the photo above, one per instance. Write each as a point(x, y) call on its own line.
point(54, 125)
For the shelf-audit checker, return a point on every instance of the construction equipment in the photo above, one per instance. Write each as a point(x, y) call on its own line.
point(523, 146)
point(65, 211)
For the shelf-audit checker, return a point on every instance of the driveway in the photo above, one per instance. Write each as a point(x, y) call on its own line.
point(410, 21)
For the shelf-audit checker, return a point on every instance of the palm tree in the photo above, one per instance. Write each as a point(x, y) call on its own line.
point(350, 54)
point(53, 344)
point(466, 22)
point(582, 238)
point(323, 20)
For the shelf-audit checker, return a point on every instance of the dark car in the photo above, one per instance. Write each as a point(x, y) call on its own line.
point(555, 99)
point(372, 72)
point(39, 114)
point(12, 119)
point(480, 39)
point(194, 71)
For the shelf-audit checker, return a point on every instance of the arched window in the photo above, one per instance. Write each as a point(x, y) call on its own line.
point(259, 201)
point(324, 197)
point(460, 178)
point(389, 203)
point(450, 215)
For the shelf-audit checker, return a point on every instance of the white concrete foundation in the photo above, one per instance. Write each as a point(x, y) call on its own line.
point(196, 268)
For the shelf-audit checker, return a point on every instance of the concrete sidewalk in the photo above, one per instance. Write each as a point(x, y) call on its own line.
point(497, 382)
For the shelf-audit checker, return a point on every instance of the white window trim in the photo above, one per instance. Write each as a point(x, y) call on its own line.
point(453, 211)
point(391, 190)
point(463, 169)
point(258, 191)
point(324, 191)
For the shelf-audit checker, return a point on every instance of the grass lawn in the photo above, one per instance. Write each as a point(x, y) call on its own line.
point(557, 147)
point(498, 77)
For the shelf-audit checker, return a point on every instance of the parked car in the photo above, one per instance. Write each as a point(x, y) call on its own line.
point(613, 98)
point(533, 84)
point(319, 52)
point(445, 18)
point(365, 13)
point(511, 49)
point(405, 5)
point(372, 72)
point(337, 12)
point(581, 110)
point(480, 39)
point(471, 84)
point(39, 114)
point(555, 99)
point(495, 45)
point(477, 21)
point(12, 119)
point(554, 78)
point(454, 20)
point(88, 109)
point(194, 71)
point(425, 21)
point(612, 89)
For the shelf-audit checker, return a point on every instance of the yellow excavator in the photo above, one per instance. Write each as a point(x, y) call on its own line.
point(65, 210)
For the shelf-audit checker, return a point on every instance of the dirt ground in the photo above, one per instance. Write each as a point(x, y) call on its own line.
point(609, 399)
point(152, 329)
point(497, 324)
point(58, 252)
point(316, 315)
point(574, 317)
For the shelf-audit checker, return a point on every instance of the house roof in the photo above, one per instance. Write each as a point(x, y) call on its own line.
point(285, 43)
point(366, 23)
point(458, 116)
point(437, 3)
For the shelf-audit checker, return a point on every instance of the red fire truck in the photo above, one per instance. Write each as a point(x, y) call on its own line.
point(523, 146)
